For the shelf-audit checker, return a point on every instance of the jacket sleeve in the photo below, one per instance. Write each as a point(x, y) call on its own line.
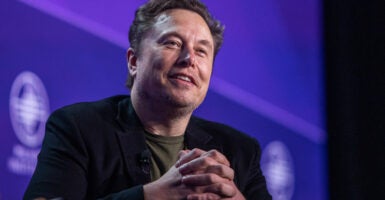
point(135, 193)
point(62, 167)
point(256, 184)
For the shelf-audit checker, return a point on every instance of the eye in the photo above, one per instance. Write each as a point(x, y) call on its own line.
point(201, 52)
point(172, 44)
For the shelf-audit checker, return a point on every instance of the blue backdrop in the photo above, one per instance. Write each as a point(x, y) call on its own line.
point(268, 76)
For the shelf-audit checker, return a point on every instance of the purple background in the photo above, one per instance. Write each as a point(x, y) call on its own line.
point(267, 78)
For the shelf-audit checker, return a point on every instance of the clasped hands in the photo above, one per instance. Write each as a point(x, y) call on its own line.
point(197, 175)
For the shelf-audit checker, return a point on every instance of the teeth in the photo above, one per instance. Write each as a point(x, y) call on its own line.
point(185, 78)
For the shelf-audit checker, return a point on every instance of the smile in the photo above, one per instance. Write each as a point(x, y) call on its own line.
point(183, 77)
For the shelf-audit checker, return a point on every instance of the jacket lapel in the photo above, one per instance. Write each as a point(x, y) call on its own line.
point(132, 142)
point(197, 137)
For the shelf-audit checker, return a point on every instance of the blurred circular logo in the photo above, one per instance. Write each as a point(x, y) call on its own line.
point(278, 168)
point(29, 108)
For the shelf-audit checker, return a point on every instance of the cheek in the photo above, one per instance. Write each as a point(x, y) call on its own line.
point(206, 71)
point(163, 62)
point(155, 70)
point(150, 66)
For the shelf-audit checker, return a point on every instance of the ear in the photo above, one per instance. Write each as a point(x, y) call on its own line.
point(131, 62)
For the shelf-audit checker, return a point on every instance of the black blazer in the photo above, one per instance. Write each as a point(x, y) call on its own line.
point(93, 150)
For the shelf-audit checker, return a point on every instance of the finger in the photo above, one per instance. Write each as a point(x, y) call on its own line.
point(204, 196)
point(218, 156)
point(202, 179)
point(197, 165)
point(224, 189)
point(182, 153)
point(207, 166)
point(222, 171)
point(191, 155)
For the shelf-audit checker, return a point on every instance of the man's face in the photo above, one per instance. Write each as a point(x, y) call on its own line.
point(176, 59)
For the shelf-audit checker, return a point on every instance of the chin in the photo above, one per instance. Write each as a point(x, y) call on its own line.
point(182, 102)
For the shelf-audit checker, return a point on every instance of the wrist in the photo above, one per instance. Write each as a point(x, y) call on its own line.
point(150, 192)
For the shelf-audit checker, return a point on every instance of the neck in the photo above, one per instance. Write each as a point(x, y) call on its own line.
point(164, 120)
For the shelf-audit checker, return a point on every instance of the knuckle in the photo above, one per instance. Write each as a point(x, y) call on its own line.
point(214, 153)
point(211, 178)
point(206, 161)
point(195, 152)
point(220, 169)
point(232, 174)
point(212, 197)
point(220, 187)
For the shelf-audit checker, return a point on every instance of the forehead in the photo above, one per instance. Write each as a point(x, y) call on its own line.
point(183, 21)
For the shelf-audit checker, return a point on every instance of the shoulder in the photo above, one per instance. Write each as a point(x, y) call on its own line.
point(83, 110)
point(85, 124)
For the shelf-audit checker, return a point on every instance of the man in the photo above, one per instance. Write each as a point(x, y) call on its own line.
point(148, 145)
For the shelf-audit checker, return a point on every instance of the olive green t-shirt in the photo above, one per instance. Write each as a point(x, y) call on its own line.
point(164, 151)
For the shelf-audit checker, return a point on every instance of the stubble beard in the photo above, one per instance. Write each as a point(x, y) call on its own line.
point(168, 105)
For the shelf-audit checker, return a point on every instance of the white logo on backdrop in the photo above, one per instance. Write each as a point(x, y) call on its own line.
point(277, 166)
point(29, 110)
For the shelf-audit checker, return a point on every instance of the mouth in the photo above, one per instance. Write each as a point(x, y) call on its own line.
point(184, 77)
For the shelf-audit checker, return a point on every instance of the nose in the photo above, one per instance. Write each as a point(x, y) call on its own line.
point(186, 57)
